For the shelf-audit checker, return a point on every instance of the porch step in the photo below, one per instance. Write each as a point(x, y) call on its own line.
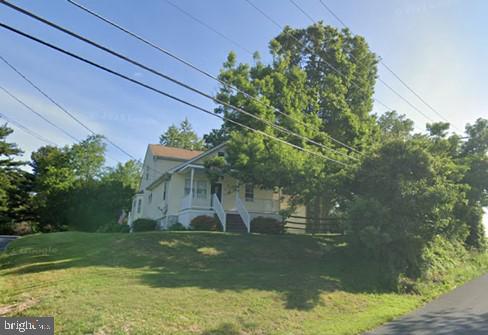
point(234, 224)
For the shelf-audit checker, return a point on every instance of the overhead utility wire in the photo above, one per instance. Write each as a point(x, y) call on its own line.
point(386, 66)
point(194, 67)
point(115, 73)
point(44, 118)
point(237, 44)
point(64, 110)
point(23, 76)
point(38, 114)
point(27, 130)
point(176, 81)
point(277, 24)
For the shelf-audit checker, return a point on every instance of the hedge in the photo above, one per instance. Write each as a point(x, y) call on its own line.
point(144, 225)
point(266, 225)
point(205, 223)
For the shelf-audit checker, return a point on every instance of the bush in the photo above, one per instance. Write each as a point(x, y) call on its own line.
point(205, 223)
point(19, 228)
point(113, 228)
point(176, 227)
point(144, 225)
point(265, 225)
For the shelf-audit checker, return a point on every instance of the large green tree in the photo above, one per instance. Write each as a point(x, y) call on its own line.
point(75, 191)
point(182, 136)
point(319, 84)
point(15, 185)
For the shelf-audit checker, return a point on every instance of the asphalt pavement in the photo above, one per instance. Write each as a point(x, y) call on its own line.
point(6, 239)
point(462, 311)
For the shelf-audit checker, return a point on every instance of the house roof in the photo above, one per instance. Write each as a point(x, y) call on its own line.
point(159, 150)
point(196, 158)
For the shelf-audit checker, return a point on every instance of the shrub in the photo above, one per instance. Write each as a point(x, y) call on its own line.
point(205, 223)
point(144, 225)
point(113, 228)
point(176, 227)
point(265, 225)
point(19, 228)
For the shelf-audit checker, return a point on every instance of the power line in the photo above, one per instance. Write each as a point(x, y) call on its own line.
point(173, 80)
point(209, 27)
point(27, 130)
point(194, 67)
point(64, 110)
point(379, 79)
point(120, 75)
point(277, 24)
point(389, 69)
point(38, 114)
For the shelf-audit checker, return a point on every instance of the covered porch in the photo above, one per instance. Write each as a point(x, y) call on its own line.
point(225, 198)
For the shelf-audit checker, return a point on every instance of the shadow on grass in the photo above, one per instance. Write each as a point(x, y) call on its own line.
point(300, 268)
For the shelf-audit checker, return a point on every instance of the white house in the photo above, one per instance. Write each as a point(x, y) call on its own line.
point(175, 188)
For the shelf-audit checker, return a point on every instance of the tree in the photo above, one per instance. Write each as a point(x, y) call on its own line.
point(394, 125)
point(128, 174)
point(315, 102)
point(405, 196)
point(15, 186)
point(473, 155)
point(87, 158)
point(438, 129)
point(183, 137)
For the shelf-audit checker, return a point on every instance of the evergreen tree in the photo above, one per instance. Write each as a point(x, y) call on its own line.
point(183, 137)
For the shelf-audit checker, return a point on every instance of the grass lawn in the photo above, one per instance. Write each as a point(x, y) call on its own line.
point(196, 283)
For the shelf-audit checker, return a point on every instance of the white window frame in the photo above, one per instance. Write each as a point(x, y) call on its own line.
point(202, 189)
point(187, 187)
point(139, 205)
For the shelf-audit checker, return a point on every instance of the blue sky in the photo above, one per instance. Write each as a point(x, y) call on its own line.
point(438, 47)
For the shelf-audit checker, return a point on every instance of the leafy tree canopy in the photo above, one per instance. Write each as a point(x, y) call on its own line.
point(302, 91)
point(182, 137)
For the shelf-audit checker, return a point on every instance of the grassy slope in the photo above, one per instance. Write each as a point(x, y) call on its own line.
point(195, 283)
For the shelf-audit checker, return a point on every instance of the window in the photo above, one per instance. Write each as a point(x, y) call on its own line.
point(147, 172)
point(201, 189)
point(139, 205)
point(221, 154)
point(187, 186)
point(249, 192)
point(150, 197)
point(165, 186)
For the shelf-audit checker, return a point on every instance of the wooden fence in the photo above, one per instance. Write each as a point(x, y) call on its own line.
point(302, 224)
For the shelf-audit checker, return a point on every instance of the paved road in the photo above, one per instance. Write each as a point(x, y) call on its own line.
point(4, 240)
point(462, 311)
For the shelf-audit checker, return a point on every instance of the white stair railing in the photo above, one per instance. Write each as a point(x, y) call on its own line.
point(242, 210)
point(219, 210)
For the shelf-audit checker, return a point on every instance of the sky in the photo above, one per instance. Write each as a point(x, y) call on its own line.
point(438, 47)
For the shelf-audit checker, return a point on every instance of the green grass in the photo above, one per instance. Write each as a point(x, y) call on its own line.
point(198, 283)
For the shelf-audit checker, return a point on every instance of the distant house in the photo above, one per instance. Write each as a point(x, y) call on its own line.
point(175, 188)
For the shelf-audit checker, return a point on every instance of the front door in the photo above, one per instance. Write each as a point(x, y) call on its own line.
point(217, 189)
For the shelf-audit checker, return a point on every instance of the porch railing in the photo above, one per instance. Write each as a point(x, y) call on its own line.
point(219, 210)
point(241, 209)
point(263, 205)
point(186, 202)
